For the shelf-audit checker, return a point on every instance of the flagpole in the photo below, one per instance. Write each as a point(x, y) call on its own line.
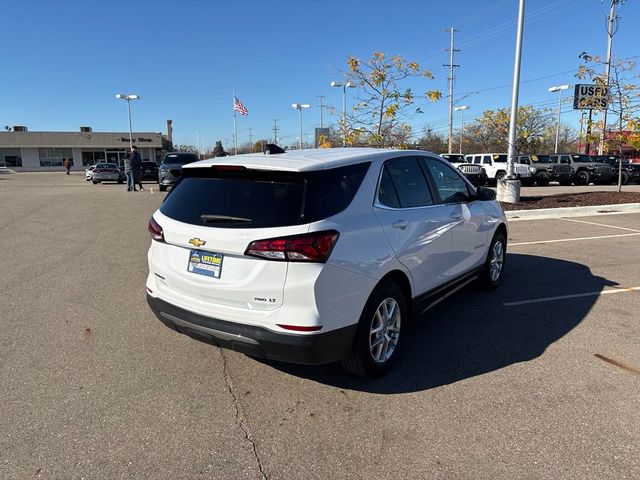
point(235, 135)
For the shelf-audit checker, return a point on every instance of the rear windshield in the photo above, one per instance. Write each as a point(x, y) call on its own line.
point(261, 198)
point(179, 158)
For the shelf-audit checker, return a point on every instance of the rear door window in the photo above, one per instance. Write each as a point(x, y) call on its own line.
point(408, 181)
point(244, 198)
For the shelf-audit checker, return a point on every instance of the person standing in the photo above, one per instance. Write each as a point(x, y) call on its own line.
point(128, 170)
point(136, 168)
point(67, 165)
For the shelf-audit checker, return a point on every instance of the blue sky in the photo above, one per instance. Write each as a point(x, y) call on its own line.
point(64, 61)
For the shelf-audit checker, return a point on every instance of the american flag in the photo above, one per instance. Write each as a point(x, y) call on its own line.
point(239, 107)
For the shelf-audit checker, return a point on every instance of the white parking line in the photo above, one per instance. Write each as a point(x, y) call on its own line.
point(573, 239)
point(601, 224)
point(577, 295)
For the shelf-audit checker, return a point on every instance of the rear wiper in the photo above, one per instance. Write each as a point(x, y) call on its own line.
point(223, 218)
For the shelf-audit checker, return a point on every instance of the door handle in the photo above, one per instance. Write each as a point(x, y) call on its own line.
point(400, 224)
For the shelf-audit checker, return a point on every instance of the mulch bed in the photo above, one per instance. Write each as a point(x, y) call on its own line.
point(573, 200)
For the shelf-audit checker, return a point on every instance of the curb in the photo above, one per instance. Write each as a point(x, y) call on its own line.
point(6, 170)
point(542, 213)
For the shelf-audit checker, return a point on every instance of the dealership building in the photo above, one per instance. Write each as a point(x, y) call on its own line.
point(24, 151)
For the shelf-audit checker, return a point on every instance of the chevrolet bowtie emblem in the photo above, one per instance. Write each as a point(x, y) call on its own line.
point(196, 242)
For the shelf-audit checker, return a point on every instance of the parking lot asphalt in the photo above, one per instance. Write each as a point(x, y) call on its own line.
point(537, 380)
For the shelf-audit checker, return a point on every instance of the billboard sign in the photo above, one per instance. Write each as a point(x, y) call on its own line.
point(321, 132)
point(591, 97)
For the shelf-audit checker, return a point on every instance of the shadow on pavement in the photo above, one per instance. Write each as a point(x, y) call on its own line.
point(472, 332)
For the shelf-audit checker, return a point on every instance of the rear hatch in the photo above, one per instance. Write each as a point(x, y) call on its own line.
point(215, 212)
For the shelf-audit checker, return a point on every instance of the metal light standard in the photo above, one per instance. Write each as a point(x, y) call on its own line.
point(299, 107)
point(558, 88)
point(509, 189)
point(461, 109)
point(344, 86)
point(128, 98)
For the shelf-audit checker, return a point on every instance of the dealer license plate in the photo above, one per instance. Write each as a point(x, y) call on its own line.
point(204, 263)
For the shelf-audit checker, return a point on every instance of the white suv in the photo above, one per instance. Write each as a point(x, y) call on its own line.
point(320, 255)
point(496, 166)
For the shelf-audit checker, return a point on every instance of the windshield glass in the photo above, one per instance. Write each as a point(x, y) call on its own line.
point(541, 158)
point(179, 159)
point(582, 158)
point(453, 158)
point(106, 165)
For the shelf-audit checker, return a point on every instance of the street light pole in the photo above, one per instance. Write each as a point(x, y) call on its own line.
point(128, 98)
point(344, 86)
point(299, 107)
point(558, 88)
point(461, 109)
point(509, 189)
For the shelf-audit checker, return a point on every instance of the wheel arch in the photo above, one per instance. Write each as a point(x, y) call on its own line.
point(399, 278)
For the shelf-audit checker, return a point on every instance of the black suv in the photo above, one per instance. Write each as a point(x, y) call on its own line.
point(585, 169)
point(171, 166)
point(630, 171)
point(544, 170)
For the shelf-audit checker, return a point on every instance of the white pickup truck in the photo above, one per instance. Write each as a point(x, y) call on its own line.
point(495, 165)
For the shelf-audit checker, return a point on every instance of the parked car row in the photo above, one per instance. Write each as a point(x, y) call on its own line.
point(111, 172)
point(564, 168)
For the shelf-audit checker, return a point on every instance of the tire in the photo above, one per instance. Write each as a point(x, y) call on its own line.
point(163, 188)
point(493, 270)
point(582, 178)
point(543, 179)
point(500, 175)
point(95, 182)
point(365, 360)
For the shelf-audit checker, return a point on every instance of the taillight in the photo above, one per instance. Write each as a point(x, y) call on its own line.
point(308, 247)
point(155, 230)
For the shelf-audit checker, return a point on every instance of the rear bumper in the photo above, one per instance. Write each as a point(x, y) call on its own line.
point(105, 177)
point(309, 349)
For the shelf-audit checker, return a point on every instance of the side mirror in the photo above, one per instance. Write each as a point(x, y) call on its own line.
point(485, 194)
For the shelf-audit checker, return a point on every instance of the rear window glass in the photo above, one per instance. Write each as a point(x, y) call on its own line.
point(261, 198)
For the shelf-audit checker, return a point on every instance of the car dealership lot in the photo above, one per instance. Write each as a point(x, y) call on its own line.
point(512, 384)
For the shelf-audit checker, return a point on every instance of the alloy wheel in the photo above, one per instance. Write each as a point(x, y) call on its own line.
point(496, 262)
point(385, 330)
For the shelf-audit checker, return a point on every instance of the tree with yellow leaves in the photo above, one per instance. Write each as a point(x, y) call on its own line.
point(379, 115)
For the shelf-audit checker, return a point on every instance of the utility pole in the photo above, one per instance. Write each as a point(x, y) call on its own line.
point(321, 108)
point(610, 32)
point(582, 114)
point(275, 131)
point(451, 66)
point(250, 141)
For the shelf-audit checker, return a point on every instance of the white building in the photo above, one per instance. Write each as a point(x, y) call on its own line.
point(25, 151)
